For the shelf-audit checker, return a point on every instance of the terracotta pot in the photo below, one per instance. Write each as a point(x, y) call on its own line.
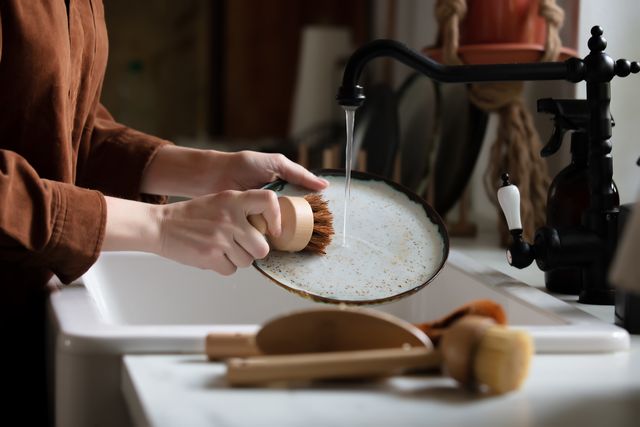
point(502, 21)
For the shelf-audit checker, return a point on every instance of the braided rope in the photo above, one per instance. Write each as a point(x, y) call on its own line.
point(517, 142)
point(554, 15)
point(449, 13)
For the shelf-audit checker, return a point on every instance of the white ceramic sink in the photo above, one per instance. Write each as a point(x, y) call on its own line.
point(138, 303)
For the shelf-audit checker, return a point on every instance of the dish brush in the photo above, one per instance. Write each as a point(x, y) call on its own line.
point(307, 225)
point(475, 351)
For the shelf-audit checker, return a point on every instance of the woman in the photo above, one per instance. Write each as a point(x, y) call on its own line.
point(74, 182)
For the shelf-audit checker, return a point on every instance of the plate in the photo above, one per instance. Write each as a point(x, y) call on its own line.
point(396, 244)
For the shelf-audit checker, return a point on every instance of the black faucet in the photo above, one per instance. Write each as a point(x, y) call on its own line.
point(589, 247)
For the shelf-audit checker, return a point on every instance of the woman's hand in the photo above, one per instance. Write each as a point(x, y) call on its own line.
point(249, 169)
point(210, 232)
point(181, 171)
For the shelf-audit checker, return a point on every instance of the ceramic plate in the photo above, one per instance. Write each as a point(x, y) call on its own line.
point(395, 244)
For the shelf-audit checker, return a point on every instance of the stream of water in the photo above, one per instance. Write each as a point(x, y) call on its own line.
point(350, 120)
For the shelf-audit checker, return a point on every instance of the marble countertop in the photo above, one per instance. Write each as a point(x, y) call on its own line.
point(561, 390)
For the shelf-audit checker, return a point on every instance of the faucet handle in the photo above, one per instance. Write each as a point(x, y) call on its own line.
point(520, 253)
point(509, 199)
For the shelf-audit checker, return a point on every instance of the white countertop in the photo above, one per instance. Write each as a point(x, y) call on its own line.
point(561, 390)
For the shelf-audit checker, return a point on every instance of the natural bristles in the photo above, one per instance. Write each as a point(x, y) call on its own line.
point(502, 359)
point(322, 224)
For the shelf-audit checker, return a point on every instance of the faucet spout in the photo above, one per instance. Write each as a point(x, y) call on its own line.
point(351, 94)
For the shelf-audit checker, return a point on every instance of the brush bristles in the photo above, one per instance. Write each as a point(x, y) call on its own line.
point(322, 224)
point(502, 359)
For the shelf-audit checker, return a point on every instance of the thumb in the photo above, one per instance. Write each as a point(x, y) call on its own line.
point(296, 174)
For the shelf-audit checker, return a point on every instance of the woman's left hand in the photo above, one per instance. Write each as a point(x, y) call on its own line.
point(245, 170)
point(180, 171)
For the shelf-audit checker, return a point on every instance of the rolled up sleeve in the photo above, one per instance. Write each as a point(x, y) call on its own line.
point(47, 223)
point(118, 158)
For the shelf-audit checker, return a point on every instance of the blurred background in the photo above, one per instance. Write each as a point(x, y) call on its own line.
point(262, 74)
point(201, 71)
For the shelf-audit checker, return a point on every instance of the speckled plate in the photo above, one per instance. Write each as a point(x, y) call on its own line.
point(396, 244)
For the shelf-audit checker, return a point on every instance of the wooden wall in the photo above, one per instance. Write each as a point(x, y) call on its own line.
point(213, 68)
point(260, 56)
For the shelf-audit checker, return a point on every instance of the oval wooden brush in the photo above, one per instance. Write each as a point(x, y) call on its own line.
point(307, 224)
point(474, 351)
point(237, 344)
point(477, 351)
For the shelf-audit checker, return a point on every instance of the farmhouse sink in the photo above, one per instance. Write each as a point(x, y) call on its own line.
point(134, 302)
point(140, 303)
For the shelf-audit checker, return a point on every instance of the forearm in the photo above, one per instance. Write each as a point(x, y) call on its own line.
point(132, 226)
point(178, 171)
point(210, 232)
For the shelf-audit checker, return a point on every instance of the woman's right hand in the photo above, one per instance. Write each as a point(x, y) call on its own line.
point(210, 232)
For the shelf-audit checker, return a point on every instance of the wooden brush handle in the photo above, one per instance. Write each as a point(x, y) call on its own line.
point(297, 224)
point(343, 364)
point(220, 345)
point(258, 222)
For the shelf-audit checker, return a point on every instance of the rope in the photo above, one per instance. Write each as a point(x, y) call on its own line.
point(517, 143)
point(554, 15)
point(449, 14)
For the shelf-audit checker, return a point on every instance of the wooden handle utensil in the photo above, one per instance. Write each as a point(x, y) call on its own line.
point(474, 351)
point(329, 365)
point(319, 330)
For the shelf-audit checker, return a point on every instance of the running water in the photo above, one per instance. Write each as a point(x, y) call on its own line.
point(350, 118)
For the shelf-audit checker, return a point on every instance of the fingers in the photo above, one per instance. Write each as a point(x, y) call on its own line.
point(265, 203)
point(222, 265)
point(214, 232)
point(246, 243)
point(253, 243)
point(238, 256)
point(296, 174)
point(247, 246)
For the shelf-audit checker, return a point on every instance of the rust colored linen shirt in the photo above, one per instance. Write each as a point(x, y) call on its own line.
point(60, 150)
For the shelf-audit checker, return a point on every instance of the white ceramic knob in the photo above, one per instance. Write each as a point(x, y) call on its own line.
point(509, 199)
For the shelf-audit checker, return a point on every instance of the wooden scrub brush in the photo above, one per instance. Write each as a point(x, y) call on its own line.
point(476, 351)
point(307, 224)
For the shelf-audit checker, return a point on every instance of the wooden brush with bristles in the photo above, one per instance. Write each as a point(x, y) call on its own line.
point(322, 224)
point(475, 351)
point(307, 224)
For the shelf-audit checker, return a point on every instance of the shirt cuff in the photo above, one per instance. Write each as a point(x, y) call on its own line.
point(79, 222)
point(117, 165)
